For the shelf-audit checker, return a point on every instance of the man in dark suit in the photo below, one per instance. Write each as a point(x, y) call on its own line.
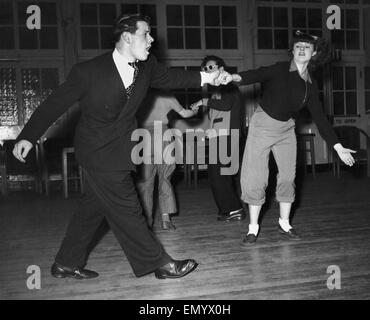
point(110, 89)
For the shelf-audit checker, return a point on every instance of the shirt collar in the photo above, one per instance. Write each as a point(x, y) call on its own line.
point(305, 75)
point(119, 57)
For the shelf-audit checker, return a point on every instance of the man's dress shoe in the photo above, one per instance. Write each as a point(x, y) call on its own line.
point(176, 269)
point(291, 234)
point(231, 216)
point(59, 271)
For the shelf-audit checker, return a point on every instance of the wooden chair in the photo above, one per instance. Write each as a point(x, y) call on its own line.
point(58, 163)
point(10, 166)
point(306, 145)
point(350, 137)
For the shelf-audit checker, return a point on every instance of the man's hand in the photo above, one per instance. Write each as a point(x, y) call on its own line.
point(345, 154)
point(21, 149)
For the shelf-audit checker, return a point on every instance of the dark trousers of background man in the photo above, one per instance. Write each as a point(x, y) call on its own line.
point(225, 188)
point(112, 196)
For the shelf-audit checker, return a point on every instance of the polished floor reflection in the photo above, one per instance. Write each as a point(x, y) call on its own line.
point(332, 215)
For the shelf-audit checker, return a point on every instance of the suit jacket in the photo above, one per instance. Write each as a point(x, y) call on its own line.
point(103, 133)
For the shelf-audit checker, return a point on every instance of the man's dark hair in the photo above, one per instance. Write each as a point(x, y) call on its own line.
point(219, 61)
point(127, 23)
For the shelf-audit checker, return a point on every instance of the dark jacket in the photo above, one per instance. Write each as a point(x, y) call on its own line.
point(284, 93)
point(103, 134)
point(230, 101)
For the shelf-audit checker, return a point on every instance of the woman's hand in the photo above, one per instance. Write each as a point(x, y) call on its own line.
point(345, 154)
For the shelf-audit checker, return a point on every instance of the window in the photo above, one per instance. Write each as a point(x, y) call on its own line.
point(220, 27)
point(344, 91)
point(367, 89)
point(272, 25)
point(37, 85)
point(307, 20)
point(183, 27)
point(188, 27)
point(8, 101)
point(33, 87)
point(14, 26)
point(146, 10)
point(349, 36)
point(96, 25)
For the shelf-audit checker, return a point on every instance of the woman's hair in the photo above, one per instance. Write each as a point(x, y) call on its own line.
point(127, 23)
point(321, 46)
point(219, 61)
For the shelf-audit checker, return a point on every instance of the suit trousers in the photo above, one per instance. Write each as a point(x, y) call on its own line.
point(266, 135)
point(111, 196)
point(225, 188)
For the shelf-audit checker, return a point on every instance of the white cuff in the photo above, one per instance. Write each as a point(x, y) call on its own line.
point(206, 78)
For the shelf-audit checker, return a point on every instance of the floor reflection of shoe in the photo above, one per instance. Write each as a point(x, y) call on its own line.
point(175, 269)
point(249, 240)
point(237, 215)
point(168, 225)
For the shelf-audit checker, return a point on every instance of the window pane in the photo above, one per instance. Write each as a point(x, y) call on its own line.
point(6, 13)
point(337, 78)
point(281, 39)
point(280, 17)
point(175, 38)
point(338, 101)
point(229, 16)
point(89, 13)
point(8, 101)
point(129, 8)
point(27, 38)
point(192, 15)
point(353, 39)
point(337, 37)
point(107, 13)
point(350, 78)
point(48, 13)
point(352, 19)
point(192, 39)
point(264, 16)
point(106, 38)
point(299, 18)
point(89, 38)
point(351, 103)
point(229, 39)
point(213, 40)
point(174, 15)
point(22, 12)
point(211, 16)
point(150, 11)
point(314, 18)
point(31, 91)
point(7, 38)
point(49, 38)
point(367, 77)
point(367, 101)
point(264, 39)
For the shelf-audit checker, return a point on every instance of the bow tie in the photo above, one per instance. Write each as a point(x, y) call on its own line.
point(133, 64)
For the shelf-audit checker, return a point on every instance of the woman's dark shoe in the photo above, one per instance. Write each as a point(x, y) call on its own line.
point(175, 269)
point(249, 239)
point(59, 271)
point(291, 234)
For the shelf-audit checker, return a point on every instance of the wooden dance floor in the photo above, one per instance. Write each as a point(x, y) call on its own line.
point(332, 215)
